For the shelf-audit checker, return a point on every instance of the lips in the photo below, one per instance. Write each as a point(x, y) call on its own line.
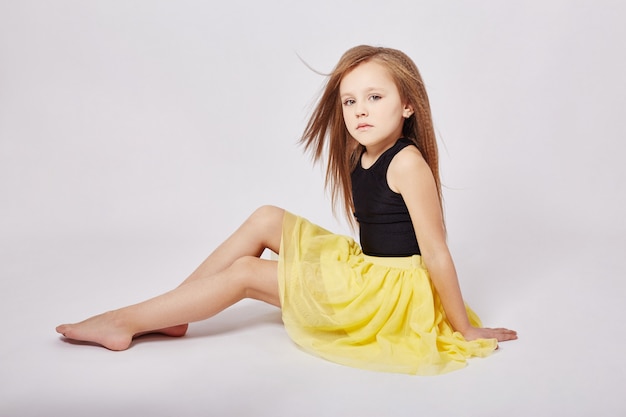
point(363, 126)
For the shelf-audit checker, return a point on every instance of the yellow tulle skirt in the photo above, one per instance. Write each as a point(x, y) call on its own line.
point(367, 312)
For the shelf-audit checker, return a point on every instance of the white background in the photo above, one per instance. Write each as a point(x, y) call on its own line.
point(136, 135)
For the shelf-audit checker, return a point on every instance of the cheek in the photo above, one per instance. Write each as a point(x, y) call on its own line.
point(397, 112)
point(346, 115)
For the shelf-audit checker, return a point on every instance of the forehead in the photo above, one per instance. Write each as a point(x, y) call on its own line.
point(367, 75)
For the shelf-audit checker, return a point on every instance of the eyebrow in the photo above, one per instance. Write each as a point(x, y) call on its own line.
point(367, 90)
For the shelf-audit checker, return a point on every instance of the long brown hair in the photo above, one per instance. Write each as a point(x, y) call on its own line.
point(326, 130)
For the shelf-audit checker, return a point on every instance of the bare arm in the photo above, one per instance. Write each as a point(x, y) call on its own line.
point(410, 176)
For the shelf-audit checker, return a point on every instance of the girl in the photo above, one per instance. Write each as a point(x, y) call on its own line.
point(392, 303)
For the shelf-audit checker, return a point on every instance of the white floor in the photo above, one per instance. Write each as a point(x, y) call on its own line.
point(569, 360)
point(118, 118)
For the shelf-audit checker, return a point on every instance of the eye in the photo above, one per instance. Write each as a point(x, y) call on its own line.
point(375, 97)
point(348, 102)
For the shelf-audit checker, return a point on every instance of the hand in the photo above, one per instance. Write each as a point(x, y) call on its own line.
point(501, 334)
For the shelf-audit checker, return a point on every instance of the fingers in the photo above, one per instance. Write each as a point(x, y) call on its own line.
point(503, 334)
point(500, 334)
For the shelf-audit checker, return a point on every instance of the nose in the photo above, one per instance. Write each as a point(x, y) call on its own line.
point(360, 109)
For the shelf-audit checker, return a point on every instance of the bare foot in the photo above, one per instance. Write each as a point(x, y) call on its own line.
point(111, 332)
point(174, 331)
point(104, 329)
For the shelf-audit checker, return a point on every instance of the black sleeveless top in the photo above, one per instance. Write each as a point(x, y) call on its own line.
point(385, 226)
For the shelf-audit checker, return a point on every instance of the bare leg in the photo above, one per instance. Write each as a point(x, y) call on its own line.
point(232, 272)
point(263, 229)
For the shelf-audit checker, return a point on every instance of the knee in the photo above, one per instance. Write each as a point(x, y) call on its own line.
point(243, 272)
point(255, 278)
point(268, 211)
point(244, 265)
point(267, 215)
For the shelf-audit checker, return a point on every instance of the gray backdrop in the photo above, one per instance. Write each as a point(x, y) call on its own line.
point(135, 135)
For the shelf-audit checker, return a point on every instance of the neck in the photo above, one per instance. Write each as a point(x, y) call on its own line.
point(373, 152)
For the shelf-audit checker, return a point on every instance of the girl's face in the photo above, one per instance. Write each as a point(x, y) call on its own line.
point(372, 107)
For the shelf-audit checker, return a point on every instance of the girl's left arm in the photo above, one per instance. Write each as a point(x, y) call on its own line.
point(410, 175)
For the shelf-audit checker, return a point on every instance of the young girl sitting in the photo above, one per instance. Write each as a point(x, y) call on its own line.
point(392, 303)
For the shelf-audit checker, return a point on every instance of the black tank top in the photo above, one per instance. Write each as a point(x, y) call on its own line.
point(385, 227)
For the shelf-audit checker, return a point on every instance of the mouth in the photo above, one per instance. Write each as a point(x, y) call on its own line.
point(363, 126)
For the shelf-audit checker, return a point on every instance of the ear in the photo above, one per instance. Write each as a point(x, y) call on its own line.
point(408, 111)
